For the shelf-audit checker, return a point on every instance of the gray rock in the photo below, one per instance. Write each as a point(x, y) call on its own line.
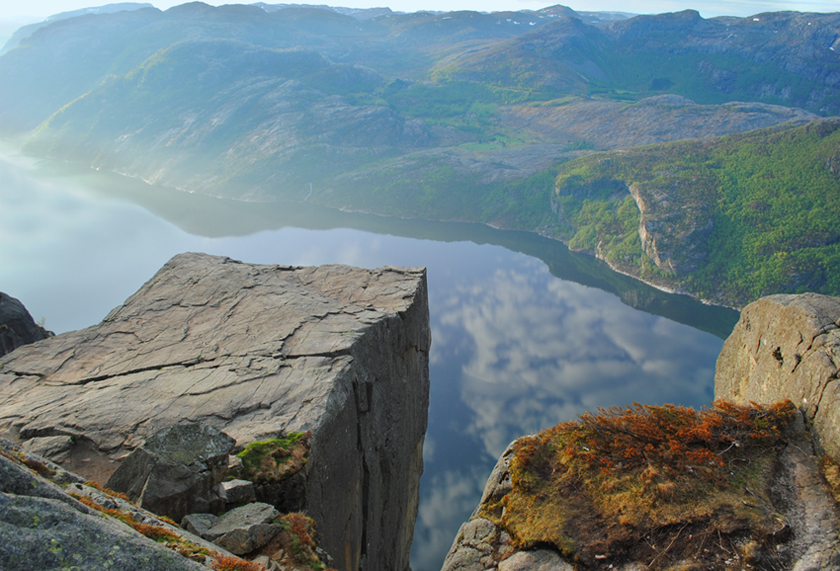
point(498, 484)
point(56, 448)
point(245, 540)
point(240, 531)
point(17, 328)
point(787, 347)
point(198, 524)
point(473, 548)
point(42, 527)
point(238, 492)
point(40, 533)
point(257, 351)
point(241, 517)
point(175, 472)
point(538, 560)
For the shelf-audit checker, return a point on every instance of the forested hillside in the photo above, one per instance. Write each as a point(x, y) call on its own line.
point(732, 218)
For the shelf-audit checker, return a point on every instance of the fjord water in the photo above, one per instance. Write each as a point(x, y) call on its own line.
point(525, 333)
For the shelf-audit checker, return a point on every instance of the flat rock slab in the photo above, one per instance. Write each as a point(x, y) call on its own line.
point(256, 351)
point(252, 348)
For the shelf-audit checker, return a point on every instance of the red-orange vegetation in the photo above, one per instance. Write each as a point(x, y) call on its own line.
point(228, 563)
point(299, 525)
point(675, 438)
point(612, 481)
point(110, 492)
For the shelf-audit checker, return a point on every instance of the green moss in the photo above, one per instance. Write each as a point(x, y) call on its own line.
point(275, 459)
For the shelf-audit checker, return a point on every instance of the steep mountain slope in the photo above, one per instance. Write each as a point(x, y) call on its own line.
point(729, 219)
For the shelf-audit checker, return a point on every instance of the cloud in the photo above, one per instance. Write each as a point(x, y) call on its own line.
point(545, 350)
point(448, 499)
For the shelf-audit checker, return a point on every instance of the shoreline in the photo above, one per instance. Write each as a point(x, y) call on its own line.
point(11, 152)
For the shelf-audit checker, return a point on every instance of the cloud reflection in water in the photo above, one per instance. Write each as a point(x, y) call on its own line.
point(534, 350)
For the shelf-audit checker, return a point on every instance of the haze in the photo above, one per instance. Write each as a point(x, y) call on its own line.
point(707, 8)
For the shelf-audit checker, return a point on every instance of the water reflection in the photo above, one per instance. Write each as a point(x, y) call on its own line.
point(520, 351)
point(515, 348)
point(545, 350)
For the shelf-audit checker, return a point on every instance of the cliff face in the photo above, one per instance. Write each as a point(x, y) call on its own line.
point(257, 352)
point(787, 347)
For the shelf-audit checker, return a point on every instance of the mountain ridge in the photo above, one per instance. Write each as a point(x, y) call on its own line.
point(448, 116)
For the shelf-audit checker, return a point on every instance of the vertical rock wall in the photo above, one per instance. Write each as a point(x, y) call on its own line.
point(787, 347)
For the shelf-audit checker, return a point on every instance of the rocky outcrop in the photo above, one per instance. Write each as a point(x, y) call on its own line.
point(807, 537)
point(177, 471)
point(256, 351)
point(784, 347)
point(43, 527)
point(17, 327)
point(615, 124)
point(787, 347)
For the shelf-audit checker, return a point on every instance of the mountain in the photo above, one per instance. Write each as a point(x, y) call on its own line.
point(27, 30)
point(449, 116)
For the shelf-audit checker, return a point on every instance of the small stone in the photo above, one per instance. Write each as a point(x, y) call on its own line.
point(199, 524)
point(238, 492)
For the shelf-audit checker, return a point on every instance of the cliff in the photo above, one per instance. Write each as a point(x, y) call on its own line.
point(742, 484)
point(788, 347)
point(728, 219)
point(257, 352)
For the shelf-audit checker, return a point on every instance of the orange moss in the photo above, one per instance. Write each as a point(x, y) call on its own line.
point(156, 533)
point(228, 563)
point(112, 493)
point(634, 478)
point(831, 473)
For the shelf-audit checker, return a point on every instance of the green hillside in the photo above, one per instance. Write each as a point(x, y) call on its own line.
point(730, 219)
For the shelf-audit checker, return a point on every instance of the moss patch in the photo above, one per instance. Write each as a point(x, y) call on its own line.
point(276, 459)
point(831, 472)
point(655, 484)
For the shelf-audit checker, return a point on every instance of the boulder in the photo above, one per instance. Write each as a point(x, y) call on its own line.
point(258, 351)
point(807, 512)
point(241, 530)
point(238, 492)
point(17, 327)
point(176, 471)
point(42, 527)
point(787, 347)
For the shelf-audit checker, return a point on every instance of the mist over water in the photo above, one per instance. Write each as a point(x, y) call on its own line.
point(515, 348)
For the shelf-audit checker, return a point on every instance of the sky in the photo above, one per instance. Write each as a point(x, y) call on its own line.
point(707, 8)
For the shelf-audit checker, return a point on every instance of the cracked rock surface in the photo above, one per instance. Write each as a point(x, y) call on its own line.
point(787, 347)
point(256, 351)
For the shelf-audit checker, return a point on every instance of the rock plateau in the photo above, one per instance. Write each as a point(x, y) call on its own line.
point(256, 351)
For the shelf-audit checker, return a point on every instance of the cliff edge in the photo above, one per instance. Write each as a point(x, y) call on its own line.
point(258, 352)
